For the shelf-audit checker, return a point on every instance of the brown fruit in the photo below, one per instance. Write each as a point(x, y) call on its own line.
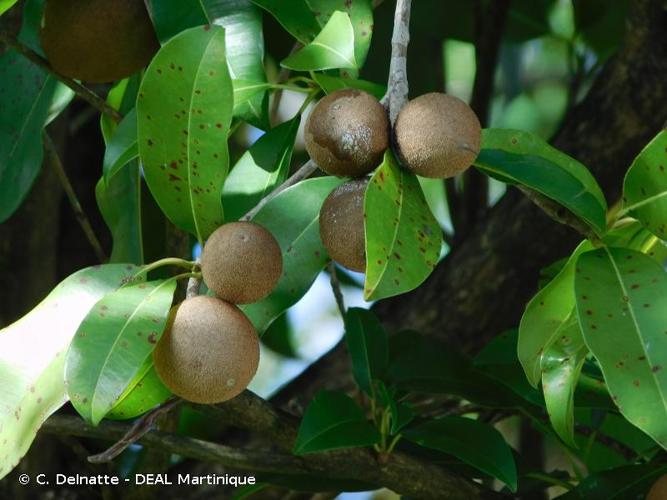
point(437, 135)
point(342, 225)
point(347, 133)
point(241, 262)
point(97, 40)
point(659, 489)
point(209, 352)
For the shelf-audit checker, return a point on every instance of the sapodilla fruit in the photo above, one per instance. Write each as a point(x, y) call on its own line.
point(97, 40)
point(241, 262)
point(342, 225)
point(437, 135)
point(209, 351)
point(347, 133)
point(659, 489)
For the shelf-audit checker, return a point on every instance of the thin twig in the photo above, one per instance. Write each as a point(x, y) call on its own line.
point(397, 85)
point(85, 93)
point(305, 171)
point(80, 215)
point(138, 430)
point(335, 286)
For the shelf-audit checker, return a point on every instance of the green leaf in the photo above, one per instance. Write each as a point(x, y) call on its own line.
point(31, 24)
point(293, 218)
point(244, 43)
point(473, 442)
point(113, 343)
point(403, 239)
point(621, 303)
point(26, 93)
point(145, 392)
point(331, 84)
point(620, 483)
point(517, 157)
point(261, 168)
point(32, 356)
point(332, 421)
point(123, 97)
point(361, 16)
point(368, 345)
point(122, 148)
point(184, 110)
point(170, 17)
point(601, 23)
point(295, 16)
point(545, 316)
point(561, 364)
point(278, 337)
point(332, 48)
point(119, 201)
point(401, 413)
point(645, 186)
point(5, 5)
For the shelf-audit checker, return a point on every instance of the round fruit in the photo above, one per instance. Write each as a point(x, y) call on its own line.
point(342, 225)
point(659, 489)
point(241, 262)
point(347, 133)
point(97, 40)
point(209, 351)
point(437, 135)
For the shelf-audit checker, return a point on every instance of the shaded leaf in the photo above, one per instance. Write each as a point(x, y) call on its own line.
point(184, 112)
point(368, 346)
point(170, 17)
point(331, 421)
point(122, 147)
point(295, 16)
point(278, 337)
point(331, 84)
point(403, 239)
point(401, 413)
point(145, 392)
point(621, 483)
point(601, 23)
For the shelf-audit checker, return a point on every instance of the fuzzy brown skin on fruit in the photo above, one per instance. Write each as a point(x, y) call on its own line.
point(209, 351)
point(342, 225)
point(437, 136)
point(241, 262)
point(347, 133)
point(97, 40)
point(659, 489)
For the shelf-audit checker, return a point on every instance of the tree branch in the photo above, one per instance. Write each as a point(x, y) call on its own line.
point(397, 85)
point(86, 94)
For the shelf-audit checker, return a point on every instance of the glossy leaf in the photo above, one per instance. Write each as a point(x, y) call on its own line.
point(330, 84)
point(113, 343)
point(295, 16)
point(26, 93)
point(368, 346)
point(561, 365)
point(5, 5)
point(332, 48)
point(123, 97)
point(261, 168)
point(184, 111)
point(645, 186)
point(621, 303)
point(333, 420)
point(145, 392)
point(32, 356)
point(473, 442)
point(620, 483)
point(517, 157)
point(170, 17)
point(403, 239)
point(545, 316)
point(122, 147)
point(119, 201)
point(293, 218)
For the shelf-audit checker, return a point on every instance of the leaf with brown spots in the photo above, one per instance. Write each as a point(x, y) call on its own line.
point(631, 343)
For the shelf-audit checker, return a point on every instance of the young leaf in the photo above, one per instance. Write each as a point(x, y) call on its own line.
point(403, 238)
point(113, 343)
point(517, 157)
point(261, 168)
point(561, 365)
point(620, 483)
point(401, 414)
point(331, 421)
point(621, 302)
point(26, 93)
point(184, 110)
point(5, 5)
point(122, 148)
point(145, 392)
point(471, 441)
point(545, 315)
point(293, 218)
point(332, 48)
point(295, 16)
point(32, 356)
point(645, 186)
point(368, 346)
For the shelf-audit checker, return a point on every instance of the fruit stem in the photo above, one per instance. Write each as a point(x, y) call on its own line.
point(169, 261)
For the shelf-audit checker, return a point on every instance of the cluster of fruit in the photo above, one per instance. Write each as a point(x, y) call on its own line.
point(435, 135)
point(209, 351)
